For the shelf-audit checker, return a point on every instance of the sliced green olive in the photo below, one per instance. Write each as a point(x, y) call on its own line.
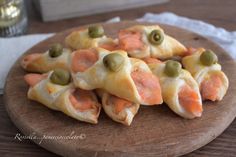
point(172, 68)
point(55, 50)
point(113, 61)
point(208, 58)
point(156, 37)
point(60, 76)
point(95, 31)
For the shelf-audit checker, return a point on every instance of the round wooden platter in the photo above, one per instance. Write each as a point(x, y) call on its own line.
point(155, 131)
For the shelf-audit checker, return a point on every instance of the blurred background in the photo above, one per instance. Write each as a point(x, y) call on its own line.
point(46, 16)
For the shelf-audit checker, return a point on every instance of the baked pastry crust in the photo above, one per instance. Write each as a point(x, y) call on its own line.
point(168, 48)
point(44, 63)
point(125, 115)
point(56, 97)
point(80, 39)
point(118, 83)
point(171, 87)
point(201, 72)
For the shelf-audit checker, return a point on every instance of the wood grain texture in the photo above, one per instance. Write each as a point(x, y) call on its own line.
point(156, 131)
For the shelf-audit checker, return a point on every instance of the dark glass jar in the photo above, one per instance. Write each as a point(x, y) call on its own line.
point(13, 18)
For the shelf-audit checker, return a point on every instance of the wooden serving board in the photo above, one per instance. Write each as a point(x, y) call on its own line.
point(155, 131)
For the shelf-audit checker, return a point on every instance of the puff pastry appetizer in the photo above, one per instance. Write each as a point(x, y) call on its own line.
point(55, 91)
point(203, 66)
point(90, 37)
point(118, 109)
point(115, 72)
point(149, 41)
point(55, 57)
point(179, 90)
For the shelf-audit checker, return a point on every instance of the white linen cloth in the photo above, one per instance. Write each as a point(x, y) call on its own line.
point(12, 48)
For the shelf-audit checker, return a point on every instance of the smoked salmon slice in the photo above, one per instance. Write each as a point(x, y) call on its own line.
point(120, 104)
point(33, 79)
point(151, 60)
point(29, 59)
point(82, 100)
point(130, 40)
point(83, 59)
point(110, 46)
point(210, 87)
point(148, 87)
point(189, 100)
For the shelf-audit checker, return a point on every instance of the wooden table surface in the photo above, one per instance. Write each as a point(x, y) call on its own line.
point(218, 12)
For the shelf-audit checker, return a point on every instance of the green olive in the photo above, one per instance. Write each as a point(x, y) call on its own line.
point(95, 31)
point(172, 68)
point(208, 58)
point(55, 50)
point(113, 61)
point(156, 37)
point(60, 76)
